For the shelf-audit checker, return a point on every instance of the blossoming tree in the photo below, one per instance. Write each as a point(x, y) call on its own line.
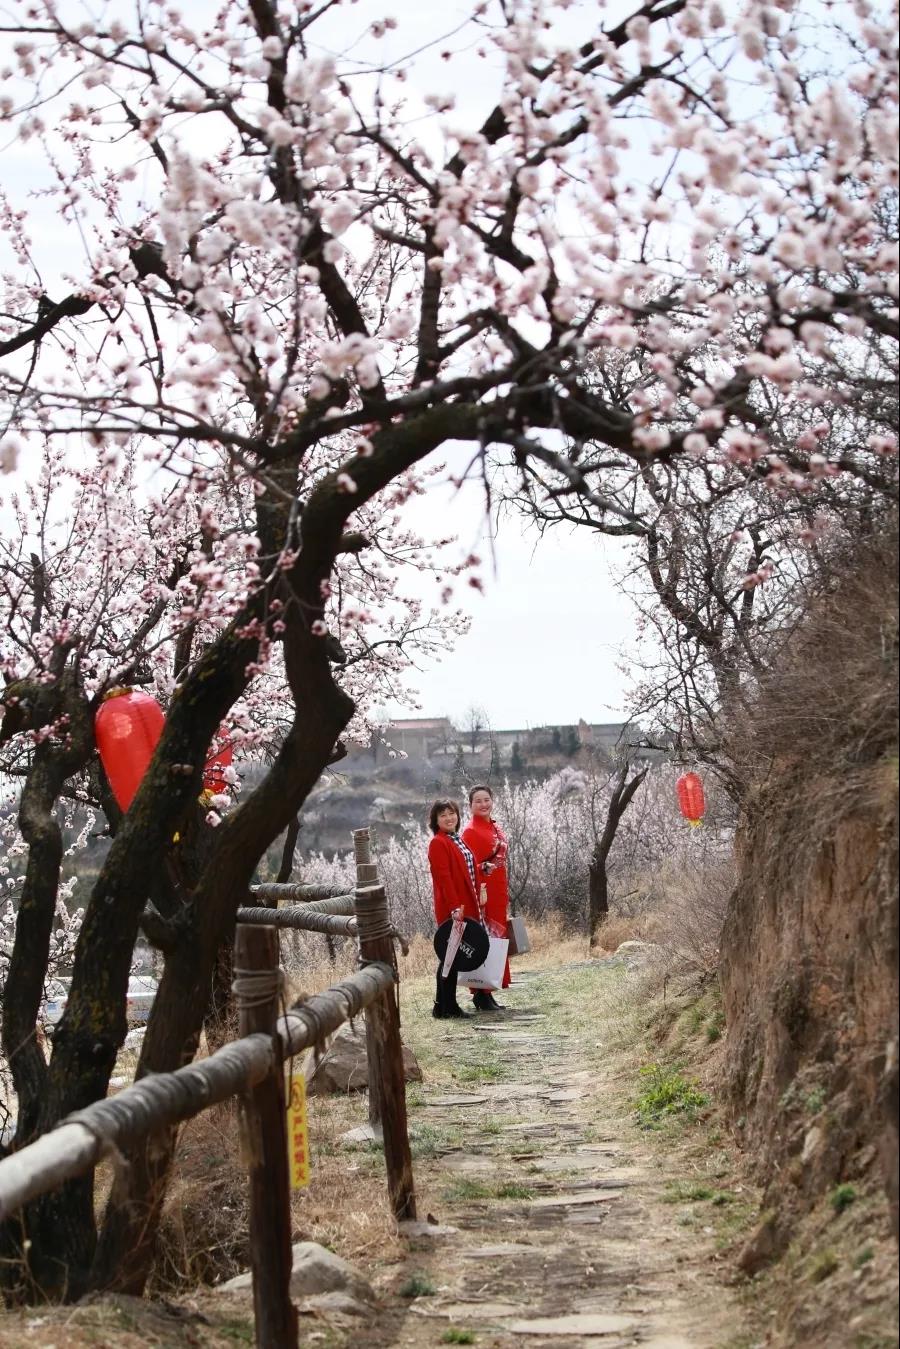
point(300, 271)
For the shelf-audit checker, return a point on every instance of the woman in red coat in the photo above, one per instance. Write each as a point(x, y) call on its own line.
point(453, 876)
point(488, 844)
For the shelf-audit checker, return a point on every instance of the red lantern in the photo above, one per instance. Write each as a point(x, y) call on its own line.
point(690, 798)
point(214, 780)
point(127, 728)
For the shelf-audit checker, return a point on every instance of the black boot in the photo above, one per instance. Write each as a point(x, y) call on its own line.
point(484, 1001)
point(438, 1010)
point(445, 1005)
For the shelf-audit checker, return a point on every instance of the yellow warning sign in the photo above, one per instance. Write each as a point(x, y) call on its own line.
point(297, 1132)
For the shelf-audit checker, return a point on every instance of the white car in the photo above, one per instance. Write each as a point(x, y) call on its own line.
point(57, 992)
point(138, 1000)
point(141, 992)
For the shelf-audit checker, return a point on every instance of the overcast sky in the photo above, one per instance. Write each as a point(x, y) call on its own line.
point(548, 632)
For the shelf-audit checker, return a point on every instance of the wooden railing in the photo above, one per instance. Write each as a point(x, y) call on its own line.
point(251, 1067)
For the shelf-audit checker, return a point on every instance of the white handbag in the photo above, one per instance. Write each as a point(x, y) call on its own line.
point(490, 974)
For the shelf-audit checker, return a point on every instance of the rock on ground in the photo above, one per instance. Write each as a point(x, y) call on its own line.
point(344, 1067)
point(636, 950)
point(336, 1303)
point(315, 1270)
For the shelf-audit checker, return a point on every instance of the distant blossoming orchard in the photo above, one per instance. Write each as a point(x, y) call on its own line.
point(295, 268)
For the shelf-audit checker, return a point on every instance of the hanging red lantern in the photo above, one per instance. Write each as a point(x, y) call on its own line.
point(214, 779)
point(127, 728)
point(690, 798)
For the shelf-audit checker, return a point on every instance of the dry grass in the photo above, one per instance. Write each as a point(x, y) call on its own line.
point(621, 927)
point(555, 942)
point(819, 742)
point(682, 917)
point(687, 924)
point(127, 1323)
point(204, 1234)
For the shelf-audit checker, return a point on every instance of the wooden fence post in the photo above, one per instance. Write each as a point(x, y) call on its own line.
point(265, 1138)
point(367, 874)
point(387, 1079)
point(366, 870)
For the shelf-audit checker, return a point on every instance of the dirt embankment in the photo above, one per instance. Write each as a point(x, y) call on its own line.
point(809, 951)
point(810, 985)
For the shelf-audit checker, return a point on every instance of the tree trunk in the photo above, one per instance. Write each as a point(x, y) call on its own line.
point(598, 896)
point(51, 765)
point(598, 883)
point(61, 1227)
point(125, 1252)
point(220, 1023)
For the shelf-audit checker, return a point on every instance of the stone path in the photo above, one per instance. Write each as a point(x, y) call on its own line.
point(558, 1234)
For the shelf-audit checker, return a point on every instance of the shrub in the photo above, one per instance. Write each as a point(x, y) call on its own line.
point(842, 1196)
point(418, 1285)
point(666, 1094)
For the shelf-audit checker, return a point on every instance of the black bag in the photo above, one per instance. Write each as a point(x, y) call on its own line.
point(473, 948)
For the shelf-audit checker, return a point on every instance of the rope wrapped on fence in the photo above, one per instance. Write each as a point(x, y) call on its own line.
point(166, 1099)
point(339, 904)
point(297, 893)
point(307, 918)
point(299, 918)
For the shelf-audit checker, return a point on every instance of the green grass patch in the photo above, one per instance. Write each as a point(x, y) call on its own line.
point(693, 1192)
point(704, 1016)
point(466, 1190)
point(666, 1094)
point(479, 1072)
point(418, 1285)
point(864, 1257)
point(242, 1332)
point(842, 1196)
point(815, 1100)
point(513, 1190)
point(426, 1141)
point(415, 1095)
point(453, 1335)
point(683, 1191)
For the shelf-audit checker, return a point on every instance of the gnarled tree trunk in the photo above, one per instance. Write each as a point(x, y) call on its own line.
point(598, 885)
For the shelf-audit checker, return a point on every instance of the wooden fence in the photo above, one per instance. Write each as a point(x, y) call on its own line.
point(251, 1067)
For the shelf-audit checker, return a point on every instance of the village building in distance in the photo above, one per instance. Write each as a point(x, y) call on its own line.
point(435, 740)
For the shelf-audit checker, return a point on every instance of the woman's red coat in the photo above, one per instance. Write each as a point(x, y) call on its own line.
point(450, 877)
point(480, 837)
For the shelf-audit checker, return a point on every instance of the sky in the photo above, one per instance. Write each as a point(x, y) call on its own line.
point(548, 633)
